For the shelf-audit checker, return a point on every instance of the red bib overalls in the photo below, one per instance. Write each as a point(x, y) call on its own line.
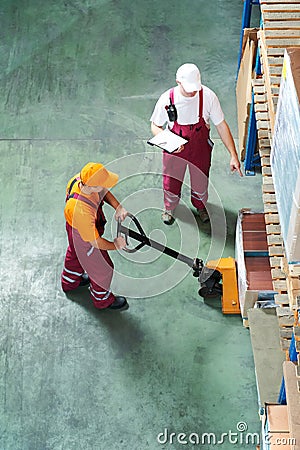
point(196, 156)
point(82, 257)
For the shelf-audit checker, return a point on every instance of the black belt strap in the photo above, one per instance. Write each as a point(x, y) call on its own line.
point(72, 184)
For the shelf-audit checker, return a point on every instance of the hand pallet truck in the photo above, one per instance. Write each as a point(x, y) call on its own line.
point(216, 278)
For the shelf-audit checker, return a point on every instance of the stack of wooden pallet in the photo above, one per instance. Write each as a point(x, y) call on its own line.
point(254, 271)
point(273, 228)
point(280, 30)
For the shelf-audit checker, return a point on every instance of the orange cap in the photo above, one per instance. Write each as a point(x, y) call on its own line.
point(95, 174)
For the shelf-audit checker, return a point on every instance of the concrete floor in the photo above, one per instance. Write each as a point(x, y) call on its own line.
point(79, 80)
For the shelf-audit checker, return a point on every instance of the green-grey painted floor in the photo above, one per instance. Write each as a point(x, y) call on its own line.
point(79, 80)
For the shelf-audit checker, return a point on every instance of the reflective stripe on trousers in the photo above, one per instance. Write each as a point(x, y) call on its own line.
point(97, 264)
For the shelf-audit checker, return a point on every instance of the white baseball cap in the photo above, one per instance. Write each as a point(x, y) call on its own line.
point(189, 76)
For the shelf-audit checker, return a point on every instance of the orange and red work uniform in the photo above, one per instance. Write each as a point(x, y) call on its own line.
point(85, 222)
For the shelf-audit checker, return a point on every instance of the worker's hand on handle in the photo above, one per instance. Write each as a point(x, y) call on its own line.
point(235, 165)
point(120, 243)
point(121, 213)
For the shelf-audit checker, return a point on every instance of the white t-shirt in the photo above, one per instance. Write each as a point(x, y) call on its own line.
point(188, 108)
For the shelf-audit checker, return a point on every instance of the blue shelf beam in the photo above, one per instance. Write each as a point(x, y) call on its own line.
point(246, 20)
point(293, 356)
point(252, 160)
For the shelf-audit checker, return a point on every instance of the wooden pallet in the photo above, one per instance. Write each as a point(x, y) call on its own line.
point(281, 29)
point(272, 90)
point(282, 300)
point(296, 331)
point(289, 324)
point(292, 275)
point(293, 402)
point(286, 322)
point(293, 286)
point(262, 119)
point(273, 228)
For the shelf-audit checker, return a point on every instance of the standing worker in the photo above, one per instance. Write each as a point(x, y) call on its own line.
point(87, 259)
point(187, 110)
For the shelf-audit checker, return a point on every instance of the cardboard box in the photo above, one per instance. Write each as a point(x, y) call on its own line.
point(244, 86)
point(276, 433)
point(277, 417)
point(280, 441)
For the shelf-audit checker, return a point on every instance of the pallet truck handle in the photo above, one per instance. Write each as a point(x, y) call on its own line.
point(138, 225)
point(121, 229)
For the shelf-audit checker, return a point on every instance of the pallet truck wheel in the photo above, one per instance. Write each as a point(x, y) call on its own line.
point(206, 292)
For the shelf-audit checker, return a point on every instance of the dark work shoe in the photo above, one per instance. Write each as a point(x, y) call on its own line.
point(85, 281)
point(203, 215)
point(120, 304)
point(167, 217)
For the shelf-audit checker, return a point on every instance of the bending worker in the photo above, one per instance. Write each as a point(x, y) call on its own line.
point(87, 250)
point(187, 110)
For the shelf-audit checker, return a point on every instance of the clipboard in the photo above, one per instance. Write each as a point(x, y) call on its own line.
point(167, 141)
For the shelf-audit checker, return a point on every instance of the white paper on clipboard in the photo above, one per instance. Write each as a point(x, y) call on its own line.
point(167, 141)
